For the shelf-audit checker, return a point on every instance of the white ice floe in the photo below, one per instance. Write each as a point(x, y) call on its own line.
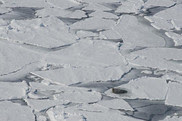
point(133, 31)
point(174, 97)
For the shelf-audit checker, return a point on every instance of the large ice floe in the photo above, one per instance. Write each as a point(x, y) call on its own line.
point(91, 60)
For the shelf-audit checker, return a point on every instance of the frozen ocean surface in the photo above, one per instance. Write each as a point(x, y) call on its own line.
point(91, 60)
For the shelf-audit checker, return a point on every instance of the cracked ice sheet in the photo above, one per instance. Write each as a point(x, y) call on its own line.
point(39, 32)
point(15, 112)
point(84, 62)
point(12, 90)
point(127, 26)
point(17, 59)
point(161, 58)
point(143, 88)
point(88, 112)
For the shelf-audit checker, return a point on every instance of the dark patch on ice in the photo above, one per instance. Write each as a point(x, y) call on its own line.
point(153, 10)
point(112, 6)
point(19, 101)
point(20, 13)
point(161, 33)
point(177, 31)
point(114, 40)
point(70, 21)
point(74, 8)
point(145, 1)
point(137, 48)
point(119, 91)
point(150, 110)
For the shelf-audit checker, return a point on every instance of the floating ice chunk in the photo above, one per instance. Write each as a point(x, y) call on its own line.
point(15, 112)
point(127, 26)
point(174, 97)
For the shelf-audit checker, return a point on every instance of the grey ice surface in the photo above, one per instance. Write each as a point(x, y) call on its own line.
point(91, 60)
